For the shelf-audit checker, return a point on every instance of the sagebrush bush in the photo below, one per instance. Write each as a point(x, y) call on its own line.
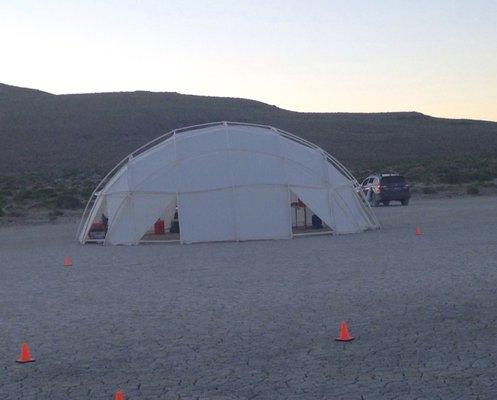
point(68, 202)
point(52, 215)
point(473, 190)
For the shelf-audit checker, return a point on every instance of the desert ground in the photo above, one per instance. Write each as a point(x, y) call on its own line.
point(257, 320)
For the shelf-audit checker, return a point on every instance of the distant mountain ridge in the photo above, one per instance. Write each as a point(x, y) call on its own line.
point(42, 132)
point(15, 91)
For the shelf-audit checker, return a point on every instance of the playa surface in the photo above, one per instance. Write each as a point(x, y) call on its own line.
point(257, 320)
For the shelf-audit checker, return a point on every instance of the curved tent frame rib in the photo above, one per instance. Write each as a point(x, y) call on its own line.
point(82, 227)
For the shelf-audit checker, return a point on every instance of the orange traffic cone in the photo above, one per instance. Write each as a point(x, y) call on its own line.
point(25, 356)
point(67, 262)
point(119, 395)
point(343, 334)
point(418, 231)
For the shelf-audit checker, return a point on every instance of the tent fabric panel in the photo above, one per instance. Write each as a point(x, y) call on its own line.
point(92, 217)
point(335, 177)
point(317, 200)
point(202, 141)
point(169, 212)
point(311, 159)
point(113, 203)
point(298, 175)
point(122, 227)
point(148, 208)
point(254, 140)
point(207, 172)
point(262, 212)
point(118, 183)
point(256, 169)
point(206, 216)
point(164, 180)
point(135, 216)
point(160, 158)
point(347, 215)
point(356, 209)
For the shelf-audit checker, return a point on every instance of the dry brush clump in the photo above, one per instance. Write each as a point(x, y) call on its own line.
point(447, 170)
point(21, 196)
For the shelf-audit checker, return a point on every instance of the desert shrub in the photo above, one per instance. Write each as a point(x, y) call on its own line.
point(14, 213)
point(22, 195)
point(36, 194)
point(52, 215)
point(452, 176)
point(480, 175)
point(488, 185)
point(49, 203)
point(68, 202)
point(86, 192)
point(429, 190)
point(473, 190)
point(2, 202)
point(9, 184)
point(46, 192)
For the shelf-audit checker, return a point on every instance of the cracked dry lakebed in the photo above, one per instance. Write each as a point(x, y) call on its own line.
point(257, 320)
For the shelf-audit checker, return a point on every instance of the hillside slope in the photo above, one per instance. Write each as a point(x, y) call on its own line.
point(41, 132)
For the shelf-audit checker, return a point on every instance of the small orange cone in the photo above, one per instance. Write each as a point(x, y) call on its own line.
point(67, 262)
point(343, 334)
point(25, 355)
point(119, 395)
point(418, 231)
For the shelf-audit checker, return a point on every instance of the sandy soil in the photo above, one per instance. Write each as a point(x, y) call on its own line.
point(256, 320)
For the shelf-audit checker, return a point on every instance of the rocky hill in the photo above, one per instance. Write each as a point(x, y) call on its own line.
point(46, 133)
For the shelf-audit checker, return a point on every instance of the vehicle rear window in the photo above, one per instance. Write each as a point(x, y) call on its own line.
point(389, 180)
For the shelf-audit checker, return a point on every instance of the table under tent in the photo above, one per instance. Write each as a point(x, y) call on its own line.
point(225, 182)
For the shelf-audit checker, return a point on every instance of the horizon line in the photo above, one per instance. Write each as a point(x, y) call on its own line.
point(248, 99)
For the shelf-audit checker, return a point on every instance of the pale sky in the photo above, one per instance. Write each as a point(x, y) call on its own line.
point(438, 57)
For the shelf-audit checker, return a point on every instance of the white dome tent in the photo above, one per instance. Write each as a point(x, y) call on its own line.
point(228, 182)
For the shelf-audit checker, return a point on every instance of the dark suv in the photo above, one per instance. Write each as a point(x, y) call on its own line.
point(384, 188)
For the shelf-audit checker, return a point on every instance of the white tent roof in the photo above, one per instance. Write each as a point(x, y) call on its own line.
point(230, 181)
